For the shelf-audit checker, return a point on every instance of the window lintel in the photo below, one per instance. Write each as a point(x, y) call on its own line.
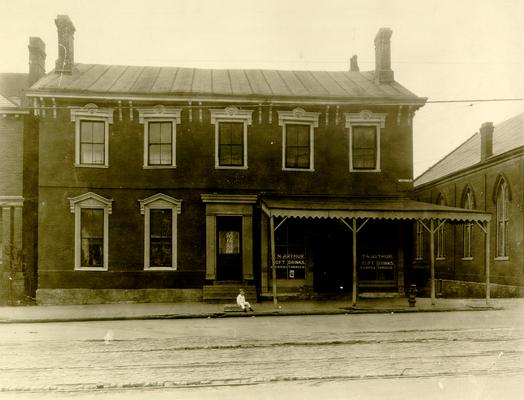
point(90, 200)
point(231, 114)
point(91, 110)
point(298, 115)
point(159, 112)
point(161, 200)
point(365, 117)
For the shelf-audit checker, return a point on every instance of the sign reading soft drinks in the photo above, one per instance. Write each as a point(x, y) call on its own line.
point(377, 267)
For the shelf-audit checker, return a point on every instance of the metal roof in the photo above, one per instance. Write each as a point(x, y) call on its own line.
point(392, 209)
point(507, 135)
point(258, 83)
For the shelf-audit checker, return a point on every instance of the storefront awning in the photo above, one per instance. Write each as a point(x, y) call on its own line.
point(376, 208)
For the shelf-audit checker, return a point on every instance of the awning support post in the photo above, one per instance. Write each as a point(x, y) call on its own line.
point(487, 261)
point(273, 259)
point(432, 260)
point(354, 293)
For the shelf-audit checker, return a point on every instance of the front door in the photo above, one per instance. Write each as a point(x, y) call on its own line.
point(229, 249)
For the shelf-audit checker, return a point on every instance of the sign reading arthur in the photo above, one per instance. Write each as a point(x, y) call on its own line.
point(377, 267)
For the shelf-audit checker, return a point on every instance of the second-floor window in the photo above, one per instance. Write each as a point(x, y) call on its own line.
point(297, 146)
point(231, 124)
point(159, 135)
point(160, 143)
point(468, 226)
point(231, 144)
point(364, 147)
point(364, 140)
point(502, 197)
point(92, 142)
point(92, 135)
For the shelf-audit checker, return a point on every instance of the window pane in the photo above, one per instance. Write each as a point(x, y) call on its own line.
point(229, 242)
point(86, 132)
point(98, 132)
point(224, 133)
point(165, 154)
point(166, 132)
point(92, 237)
point(236, 155)
point(154, 132)
point(237, 133)
point(160, 222)
point(154, 154)
point(86, 154)
point(98, 154)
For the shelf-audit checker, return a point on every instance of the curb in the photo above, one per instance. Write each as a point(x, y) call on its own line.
point(275, 313)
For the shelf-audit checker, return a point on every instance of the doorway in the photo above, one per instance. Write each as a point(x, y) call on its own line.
point(229, 249)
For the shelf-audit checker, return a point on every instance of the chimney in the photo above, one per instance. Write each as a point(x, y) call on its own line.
point(354, 64)
point(383, 72)
point(36, 59)
point(66, 47)
point(486, 140)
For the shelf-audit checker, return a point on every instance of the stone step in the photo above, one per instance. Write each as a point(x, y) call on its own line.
point(228, 293)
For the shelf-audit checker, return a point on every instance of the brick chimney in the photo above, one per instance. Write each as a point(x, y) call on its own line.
point(36, 59)
point(66, 46)
point(486, 140)
point(353, 65)
point(383, 72)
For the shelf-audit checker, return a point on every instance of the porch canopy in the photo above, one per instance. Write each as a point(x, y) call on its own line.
point(356, 212)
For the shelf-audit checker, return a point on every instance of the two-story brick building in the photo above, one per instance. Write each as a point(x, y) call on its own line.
point(164, 184)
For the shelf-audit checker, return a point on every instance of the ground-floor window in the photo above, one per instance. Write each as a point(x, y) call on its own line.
point(160, 231)
point(290, 251)
point(91, 231)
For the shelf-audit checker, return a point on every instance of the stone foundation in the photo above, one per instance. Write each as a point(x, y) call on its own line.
point(462, 289)
point(103, 296)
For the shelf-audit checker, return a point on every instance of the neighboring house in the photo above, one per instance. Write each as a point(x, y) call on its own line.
point(18, 190)
point(486, 173)
point(167, 184)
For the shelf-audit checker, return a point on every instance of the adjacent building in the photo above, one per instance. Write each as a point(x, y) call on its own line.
point(486, 173)
point(170, 184)
point(18, 181)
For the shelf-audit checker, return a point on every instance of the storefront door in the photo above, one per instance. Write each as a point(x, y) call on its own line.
point(229, 249)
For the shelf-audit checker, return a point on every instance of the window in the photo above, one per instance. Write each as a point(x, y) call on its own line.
point(419, 241)
point(298, 128)
point(290, 242)
point(298, 146)
point(230, 144)
point(1, 237)
point(364, 147)
point(468, 226)
point(502, 197)
point(159, 135)
point(92, 142)
point(92, 135)
point(160, 143)
point(91, 231)
point(92, 237)
point(441, 233)
point(231, 137)
point(364, 140)
point(160, 231)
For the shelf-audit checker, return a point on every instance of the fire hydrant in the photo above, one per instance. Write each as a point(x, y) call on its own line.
point(412, 292)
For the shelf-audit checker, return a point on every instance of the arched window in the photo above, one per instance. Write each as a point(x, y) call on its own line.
point(502, 198)
point(467, 203)
point(441, 232)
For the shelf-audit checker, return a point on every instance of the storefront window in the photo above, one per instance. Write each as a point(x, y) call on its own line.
point(290, 251)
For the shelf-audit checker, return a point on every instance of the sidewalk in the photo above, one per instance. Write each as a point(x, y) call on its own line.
point(101, 312)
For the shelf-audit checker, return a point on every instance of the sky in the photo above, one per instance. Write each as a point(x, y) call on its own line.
point(441, 49)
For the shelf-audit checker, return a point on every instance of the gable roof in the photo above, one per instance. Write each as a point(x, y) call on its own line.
point(115, 80)
point(507, 135)
point(11, 89)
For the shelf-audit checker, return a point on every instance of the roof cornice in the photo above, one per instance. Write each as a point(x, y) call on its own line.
point(383, 101)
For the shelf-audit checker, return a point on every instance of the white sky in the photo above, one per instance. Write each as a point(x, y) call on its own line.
point(441, 49)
